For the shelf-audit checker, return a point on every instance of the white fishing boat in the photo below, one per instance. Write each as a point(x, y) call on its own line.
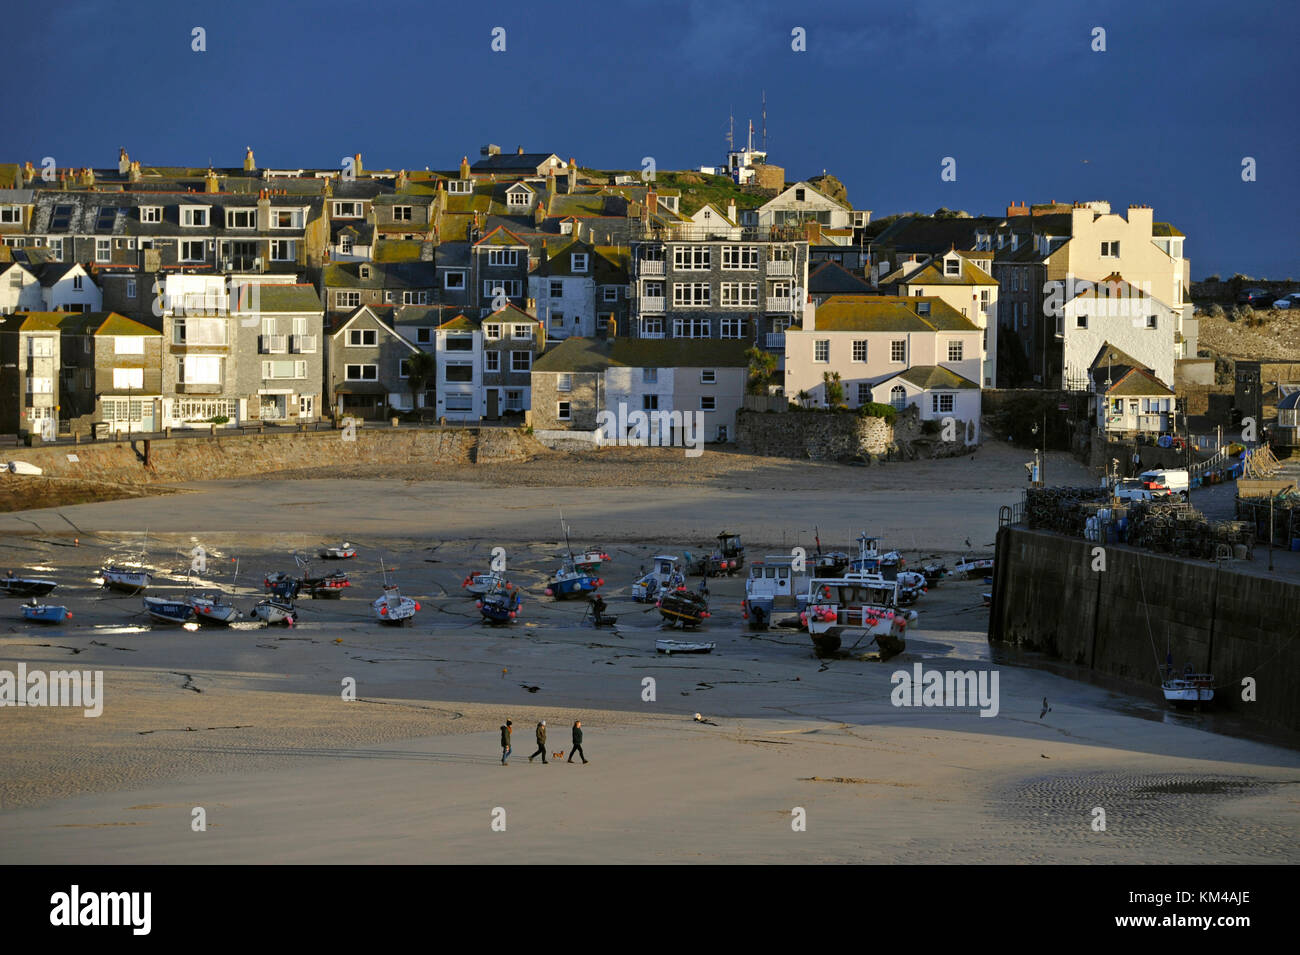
point(131, 580)
point(972, 567)
point(343, 551)
point(22, 467)
point(683, 646)
point(168, 610)
point(271, 611)
point(392, 608)
point(772, 586)
point(665, 575)
point(863, 607)
point(214, 609)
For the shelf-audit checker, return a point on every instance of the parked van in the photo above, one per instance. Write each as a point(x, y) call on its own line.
point(1174, 479)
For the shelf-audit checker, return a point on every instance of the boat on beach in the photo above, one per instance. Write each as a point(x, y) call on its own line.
point(168, 610)
point(394, 609)
point(665, 574)
point(568, 582)
point(972, 567)
point(275, 611)
point(343, 551)
point(1187, 688)
point(683, 646)
point(214, 609)
point(589, 561)
point(12, 586)
point(329, 585)
point(861, 607)
point(772, 586)
point(45, 613)
point(479, 584)
point(870, 560)
point(683, 608)
point(130, 580)
point(500, 606)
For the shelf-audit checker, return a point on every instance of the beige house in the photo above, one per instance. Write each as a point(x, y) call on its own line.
point(963, 280)
point(1128, 398)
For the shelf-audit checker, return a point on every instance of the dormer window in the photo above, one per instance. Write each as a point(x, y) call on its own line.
point(347, 210)
point(194, 216)
point(241, 218)
point(566, 228)
point(286, 219)
point(365, 271)
point(923, 308)
point(579, 262)
point(459, 187)
point(519, 197)
point(151, 213)
point(952, 265)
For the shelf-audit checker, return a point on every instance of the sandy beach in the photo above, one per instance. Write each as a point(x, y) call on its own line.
point(250, 723)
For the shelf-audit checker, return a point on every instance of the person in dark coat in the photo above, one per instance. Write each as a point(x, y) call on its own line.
point(506, 730)
point(541, 742)
point(577, 743)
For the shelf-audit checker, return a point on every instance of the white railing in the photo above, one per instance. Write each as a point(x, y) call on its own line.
point(653, 267)
point(274, 344)
point(303, 344)
point(780, 267)
point(652, 303)
point(780, 303)
point(774, 341)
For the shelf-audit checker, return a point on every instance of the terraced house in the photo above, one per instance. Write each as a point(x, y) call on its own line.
point(111, 374)
point(369, 366)
point(691, 279)
point(30, 359)
point(580, 289)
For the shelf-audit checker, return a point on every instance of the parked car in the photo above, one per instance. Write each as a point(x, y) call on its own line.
point(1253, 296)
point(1288, 301)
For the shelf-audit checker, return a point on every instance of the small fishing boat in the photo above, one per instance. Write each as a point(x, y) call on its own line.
point(167, 610)
point(329, 585)
point(273, 611)
point(342, 551)
point(130, 580)
point(500, 606)
point(726, 559)
point(11, 586)
point(683, 608)
point(864, 606)
point(45, 613)
point(665, 575)
point(972, 567)
point(394, 609)
point(911, 586)
point(589, 561)
point(682, 646)
point(282, 585)
point(828, 563)
point(214, 609)
point(772, 585)
point(568, 581)
point(934, 571)
point(479, 584)
point(1187, 689)
point(870, 560)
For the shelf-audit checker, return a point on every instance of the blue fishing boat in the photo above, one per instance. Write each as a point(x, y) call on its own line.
point(166, 610)
point(45, 613)
point(500, 606)
point(568, 581)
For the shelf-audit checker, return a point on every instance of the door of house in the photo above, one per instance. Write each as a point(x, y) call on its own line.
point(146, 416)
point(492, 397)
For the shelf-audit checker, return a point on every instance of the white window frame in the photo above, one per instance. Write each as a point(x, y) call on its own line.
point(492, 362)
point(503, 258)
point(129, 378)
point(459, 285)
point(609, 293)
point(151, 213)
point(579, 262)
point(244, 214)
point(288, 248)
point(692, 295)
point(708, 403)
point(515, 361)
point(186, 256)
point(708, 376)
point(492, 331)
point(104, 250)
point(939, 400)
point(564, 381)
point(195, 217)
point(357, 337)
point(895, 346)
point(822, 351)
point(403, 213)
point(521, 333)
point(959, 347)
point(861, 345)
point(346, 299)
point(692, 258)
point(563, 411)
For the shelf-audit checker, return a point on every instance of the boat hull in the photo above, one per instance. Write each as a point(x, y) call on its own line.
point(127, 581)
point(571, 587)
point(214, 614)
point(271, 612)
point(45, 613)
point(26, 587)
point(670, 647)
point(168, 611)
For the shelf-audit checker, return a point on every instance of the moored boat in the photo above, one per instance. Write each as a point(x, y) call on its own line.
point(972, 567)
point(282, 585)
point(860, 607)
point(500, 606)
point(130, 580)
point(394, 609)
point(772, 586)
point(342, 551)
point(168, 610)
point(1187, 689)
point(589, 561)
point(479, 584)
point(683, 646)
point(329, 585)
point(11, 586)
point(213, 609)
point(273, 611)
point(683, 608)
point(664, 575)
point(568, 581)
point(45, 613)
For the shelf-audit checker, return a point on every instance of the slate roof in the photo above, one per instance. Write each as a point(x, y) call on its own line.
point(933, 274)
point(383, 275)
point(831, 278)
point(275, 297)
point(511, 163)
point(933, 376)
point(889, 313)
point(933, 236)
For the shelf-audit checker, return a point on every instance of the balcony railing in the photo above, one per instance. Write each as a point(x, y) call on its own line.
point(774, 341)
point(780, 303)
point(780, 267)
point(273, 344)
point(653, 267)
point(303, 344)
point(652, 303)
point(199, 388)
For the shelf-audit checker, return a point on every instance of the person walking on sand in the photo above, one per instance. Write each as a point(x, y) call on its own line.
point(541, 742)
point(506, 730)
point(577, 743)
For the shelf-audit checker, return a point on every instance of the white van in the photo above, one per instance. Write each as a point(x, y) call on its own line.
point(1174, 479)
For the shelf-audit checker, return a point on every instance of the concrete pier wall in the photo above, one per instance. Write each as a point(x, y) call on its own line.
point(1120, 621)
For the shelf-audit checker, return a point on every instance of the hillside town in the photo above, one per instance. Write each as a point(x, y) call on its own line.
point(525, 288)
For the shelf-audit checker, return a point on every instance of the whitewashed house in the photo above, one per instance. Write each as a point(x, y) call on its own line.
point(20, 289)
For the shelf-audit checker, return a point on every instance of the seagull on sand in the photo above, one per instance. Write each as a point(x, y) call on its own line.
point(1046, 709)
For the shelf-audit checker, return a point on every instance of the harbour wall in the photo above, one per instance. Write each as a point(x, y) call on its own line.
point(1121, 620)
point(239, 455)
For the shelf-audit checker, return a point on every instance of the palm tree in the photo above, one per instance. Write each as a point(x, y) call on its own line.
point(834, 389)
point(762, 366)
point(421, 368)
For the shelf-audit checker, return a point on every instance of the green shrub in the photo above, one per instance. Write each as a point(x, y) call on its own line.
point(217, 419)
point(874, 409)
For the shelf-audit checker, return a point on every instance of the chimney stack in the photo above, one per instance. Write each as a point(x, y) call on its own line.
point(263, 211)
point(29, 172)
point(464, 167)
point(250, 164)
point(519, 151)
point(123, 161)
point(403, 181)
point(134, 174)
point(572, 175)
point(210, 181)
point(356, 165)
point(731, 209)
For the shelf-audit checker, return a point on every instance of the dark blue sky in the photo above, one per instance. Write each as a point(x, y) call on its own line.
point(1012, 90)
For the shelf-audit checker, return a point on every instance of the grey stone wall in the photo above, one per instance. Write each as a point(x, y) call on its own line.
point(811, 435)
